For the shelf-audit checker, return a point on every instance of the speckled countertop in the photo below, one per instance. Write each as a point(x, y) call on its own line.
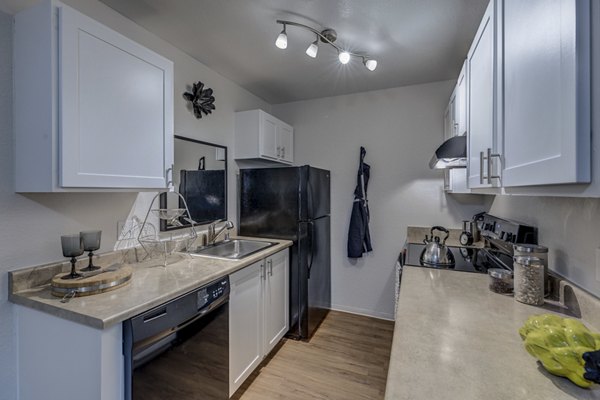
point(455, 339)
point(151, 285)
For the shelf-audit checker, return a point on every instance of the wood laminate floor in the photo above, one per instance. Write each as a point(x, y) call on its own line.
point(346, 359)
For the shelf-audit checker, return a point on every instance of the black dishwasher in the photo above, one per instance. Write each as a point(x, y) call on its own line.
point(180, 349)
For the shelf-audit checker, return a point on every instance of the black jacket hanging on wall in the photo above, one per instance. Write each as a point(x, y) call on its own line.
point(359, 239)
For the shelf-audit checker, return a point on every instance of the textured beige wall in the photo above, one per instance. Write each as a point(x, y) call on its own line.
point(400, 128)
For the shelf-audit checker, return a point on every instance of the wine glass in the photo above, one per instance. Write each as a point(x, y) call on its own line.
point(72, 246)
point(91, 243)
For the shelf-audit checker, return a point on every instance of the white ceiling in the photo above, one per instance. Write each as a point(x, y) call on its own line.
point(415, 41)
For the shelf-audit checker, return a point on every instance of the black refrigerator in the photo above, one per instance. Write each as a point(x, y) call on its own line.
point(293, 203)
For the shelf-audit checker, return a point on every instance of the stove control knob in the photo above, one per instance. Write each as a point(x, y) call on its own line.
point(509, 237)
point(502, 235)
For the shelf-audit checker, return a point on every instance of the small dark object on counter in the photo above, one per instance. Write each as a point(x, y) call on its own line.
point(592, 366)
point(501, 280)
point(501, 287)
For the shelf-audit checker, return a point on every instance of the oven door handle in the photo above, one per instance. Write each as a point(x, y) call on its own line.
point(143, 345)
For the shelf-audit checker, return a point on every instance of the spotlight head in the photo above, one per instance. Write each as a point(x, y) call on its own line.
point(344, 57)
point(313, 49)
point(371, 64)
point(281, 41)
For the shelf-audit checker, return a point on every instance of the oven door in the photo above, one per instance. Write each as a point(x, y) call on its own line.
point(190, 361)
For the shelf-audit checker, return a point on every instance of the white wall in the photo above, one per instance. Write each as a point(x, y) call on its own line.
point(400, 128)
point(569, 227)
point(30, 225)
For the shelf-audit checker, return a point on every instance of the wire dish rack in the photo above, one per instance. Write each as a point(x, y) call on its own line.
point(157, 243)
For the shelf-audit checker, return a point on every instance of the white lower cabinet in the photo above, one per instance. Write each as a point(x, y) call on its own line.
point(258, 314)
point(275, 300)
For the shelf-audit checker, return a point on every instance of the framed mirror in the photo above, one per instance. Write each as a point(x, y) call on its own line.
point(200, 176)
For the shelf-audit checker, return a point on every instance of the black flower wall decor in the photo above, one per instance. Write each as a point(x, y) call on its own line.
point(202, 99)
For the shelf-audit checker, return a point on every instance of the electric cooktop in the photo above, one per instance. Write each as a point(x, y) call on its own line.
point(466, 259)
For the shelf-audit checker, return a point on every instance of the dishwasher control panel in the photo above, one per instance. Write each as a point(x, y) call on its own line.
point(212, 292)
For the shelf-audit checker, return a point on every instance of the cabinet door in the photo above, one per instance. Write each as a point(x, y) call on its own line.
point(460, 107)
point(116, 108)
point(481, 99)
point(276, 299)
point(268, 133)
point(456, 181)
point(447, 123)
point(286, 142)
point(547, 92)
point(452, 123)
point(245, 323)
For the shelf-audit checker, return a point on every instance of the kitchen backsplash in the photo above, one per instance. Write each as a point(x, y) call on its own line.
point(569, 227)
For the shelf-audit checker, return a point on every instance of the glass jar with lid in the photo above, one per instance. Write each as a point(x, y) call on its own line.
point(501, 280)
point(529, 280)
point(539, 251)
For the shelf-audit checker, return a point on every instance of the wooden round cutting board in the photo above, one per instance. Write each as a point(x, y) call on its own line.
point(86, 286)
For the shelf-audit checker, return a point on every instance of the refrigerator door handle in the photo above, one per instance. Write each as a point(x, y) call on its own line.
point(312, 249)
point(309, 195)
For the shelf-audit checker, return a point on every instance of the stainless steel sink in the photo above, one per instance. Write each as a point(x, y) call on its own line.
point(235, 249)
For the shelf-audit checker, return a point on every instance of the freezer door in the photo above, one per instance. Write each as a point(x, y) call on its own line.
point(314, 193)
point(269, 202)
point(319, 272)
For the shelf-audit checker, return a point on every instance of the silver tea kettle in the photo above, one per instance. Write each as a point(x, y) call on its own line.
point(436, 254)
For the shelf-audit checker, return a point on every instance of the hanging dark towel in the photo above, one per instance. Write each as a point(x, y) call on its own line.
point(359, 239)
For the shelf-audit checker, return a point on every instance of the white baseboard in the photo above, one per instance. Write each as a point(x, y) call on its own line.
point(361, 311)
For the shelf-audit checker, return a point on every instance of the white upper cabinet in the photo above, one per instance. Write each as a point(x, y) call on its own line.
point(259, 135)
point(286, 143)
point(546, 92)
point(102, 114)
point(460, 102)
point(481, 100)
point(455, 179)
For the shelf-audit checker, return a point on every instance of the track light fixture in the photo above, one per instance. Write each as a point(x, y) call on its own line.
point(328, 36)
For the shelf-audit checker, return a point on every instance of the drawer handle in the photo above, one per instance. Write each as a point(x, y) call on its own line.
point(156, 315)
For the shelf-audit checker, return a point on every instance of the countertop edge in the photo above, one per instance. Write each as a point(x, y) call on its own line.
point(21, 298)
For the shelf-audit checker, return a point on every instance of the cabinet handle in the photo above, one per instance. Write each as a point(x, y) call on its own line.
point(278, 151)
point(490, 165)
point(170, 181)
point(482, 177)
point(270, 262)
point(283, 152)
point(262, 271)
